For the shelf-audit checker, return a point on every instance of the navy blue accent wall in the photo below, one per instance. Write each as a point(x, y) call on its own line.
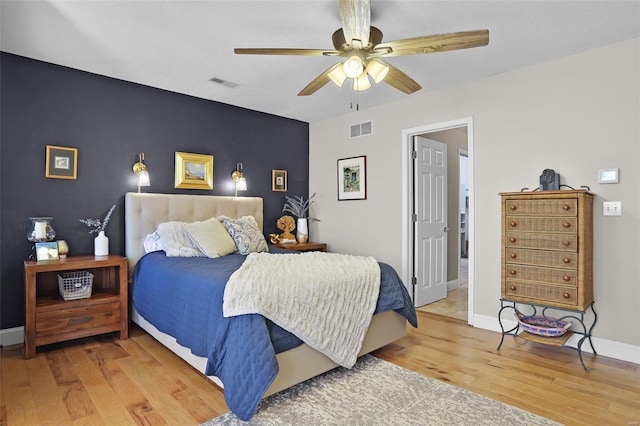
point(110, 121)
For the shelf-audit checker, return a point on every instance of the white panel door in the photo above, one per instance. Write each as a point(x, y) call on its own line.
point(430, 225)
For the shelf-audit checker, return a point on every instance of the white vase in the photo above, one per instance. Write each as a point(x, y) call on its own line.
point(101, 245)
point(302, 230)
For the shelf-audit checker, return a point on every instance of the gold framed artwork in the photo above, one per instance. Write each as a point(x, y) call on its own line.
point(279, 180)
point(61, 162)
point(194, 171)
point(352, 178)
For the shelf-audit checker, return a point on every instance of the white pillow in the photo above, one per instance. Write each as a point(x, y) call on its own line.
point(152, 242)
point(176, 241)
point(245, 233)
point(211, 237)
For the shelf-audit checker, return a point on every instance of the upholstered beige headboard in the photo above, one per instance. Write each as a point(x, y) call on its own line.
point(143, 213)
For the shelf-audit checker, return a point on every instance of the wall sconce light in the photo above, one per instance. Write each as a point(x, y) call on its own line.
point(238, 178)
point(141, 170)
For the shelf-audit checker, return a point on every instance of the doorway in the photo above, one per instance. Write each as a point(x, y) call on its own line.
point(458, 136)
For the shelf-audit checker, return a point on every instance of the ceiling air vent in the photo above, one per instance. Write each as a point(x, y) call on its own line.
point(224, 82)
point(361, 129)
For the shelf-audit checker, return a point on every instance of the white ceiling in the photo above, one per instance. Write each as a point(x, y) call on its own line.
point(180, 45)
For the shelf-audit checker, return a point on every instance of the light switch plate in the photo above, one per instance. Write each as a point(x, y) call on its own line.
point(612, 208)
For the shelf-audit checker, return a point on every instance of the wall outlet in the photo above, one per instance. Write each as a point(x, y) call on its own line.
point(612, 208)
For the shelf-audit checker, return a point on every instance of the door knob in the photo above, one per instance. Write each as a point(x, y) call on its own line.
point(446, 229)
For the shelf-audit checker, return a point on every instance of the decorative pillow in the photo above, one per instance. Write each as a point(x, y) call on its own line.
point(211, 237)
point(245, 233)
point(152, 242)
point(176, 241)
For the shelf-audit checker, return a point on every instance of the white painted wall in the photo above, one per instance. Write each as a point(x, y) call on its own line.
point(575, 115)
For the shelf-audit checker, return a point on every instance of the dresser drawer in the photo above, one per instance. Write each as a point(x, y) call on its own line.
point(562, 207)
point(539, 274)
point(541, 293)
point(555, 259)
point(542, 224)
point(74, 320)
point(533, 240)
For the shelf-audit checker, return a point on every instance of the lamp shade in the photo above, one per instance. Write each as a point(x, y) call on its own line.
point(143, 178)
point(353, 66)
point(241, 184)
point(361, 83)
point(377, 69)
point(337, 75)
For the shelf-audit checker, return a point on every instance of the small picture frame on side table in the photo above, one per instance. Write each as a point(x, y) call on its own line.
point(352, 178)
point(279, 180)
point(61, 162)
point(47, 251)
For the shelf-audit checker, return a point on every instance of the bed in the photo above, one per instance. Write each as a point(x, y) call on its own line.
point(143, 214)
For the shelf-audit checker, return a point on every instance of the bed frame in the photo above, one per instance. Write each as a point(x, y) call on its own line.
point(143, 213)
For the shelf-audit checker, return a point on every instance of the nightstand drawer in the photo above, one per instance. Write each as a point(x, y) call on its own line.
point(62, 321)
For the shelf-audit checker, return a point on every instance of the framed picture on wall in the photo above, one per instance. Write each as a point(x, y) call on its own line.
point(194, 171)
point(279, 180)
point(352, 178)
point(61, 162)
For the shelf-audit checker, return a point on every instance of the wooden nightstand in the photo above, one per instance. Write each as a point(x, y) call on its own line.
point(50, 319)
point(308, 246)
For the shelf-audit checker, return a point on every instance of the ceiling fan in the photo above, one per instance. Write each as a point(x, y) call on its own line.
point(361, 45)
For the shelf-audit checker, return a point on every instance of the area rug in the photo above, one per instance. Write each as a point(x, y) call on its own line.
point(376, 392)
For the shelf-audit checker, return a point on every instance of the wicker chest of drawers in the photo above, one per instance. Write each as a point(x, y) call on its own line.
point(547, 248)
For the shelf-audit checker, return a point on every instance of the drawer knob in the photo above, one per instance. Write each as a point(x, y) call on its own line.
point(566, 207)
point(566, 278)
point(513, 255)
point(512, 207)
point(566, 243)
point(566, 260)
point(513, 223)
point(512, 287)
point(512, 240)
point(566, 295)
point(512, 272)
point(566, 225)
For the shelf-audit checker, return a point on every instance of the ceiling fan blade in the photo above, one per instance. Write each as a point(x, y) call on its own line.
point(318, 82)
point(434, 43)
point(401, 81)
point(356, 20)
point(285, 51)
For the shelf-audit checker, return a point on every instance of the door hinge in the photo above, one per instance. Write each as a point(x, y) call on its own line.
point(414, 217)
point(414, 281)
point(414, 154)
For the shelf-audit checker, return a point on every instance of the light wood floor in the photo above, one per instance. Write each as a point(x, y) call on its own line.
point(108, 381)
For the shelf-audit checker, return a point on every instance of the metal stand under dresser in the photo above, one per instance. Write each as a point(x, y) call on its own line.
point(547, 256)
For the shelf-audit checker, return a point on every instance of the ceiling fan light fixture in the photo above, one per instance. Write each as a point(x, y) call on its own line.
point(353, 66)
point(377, 69)
point(337, 75)
point(361, 83)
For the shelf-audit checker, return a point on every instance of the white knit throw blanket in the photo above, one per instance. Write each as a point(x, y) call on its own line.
point(325, 299)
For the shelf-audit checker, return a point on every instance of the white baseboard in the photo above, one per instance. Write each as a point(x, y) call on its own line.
point(452, 285)
point(11, 336)
point(604, 347)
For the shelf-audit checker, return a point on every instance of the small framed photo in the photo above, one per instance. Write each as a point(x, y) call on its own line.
point(279, 180)
point(194, 171)
point(47, 251)
point(352, 178)
point(61, 162)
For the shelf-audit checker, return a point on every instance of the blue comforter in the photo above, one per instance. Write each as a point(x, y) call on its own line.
point(183, 297)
